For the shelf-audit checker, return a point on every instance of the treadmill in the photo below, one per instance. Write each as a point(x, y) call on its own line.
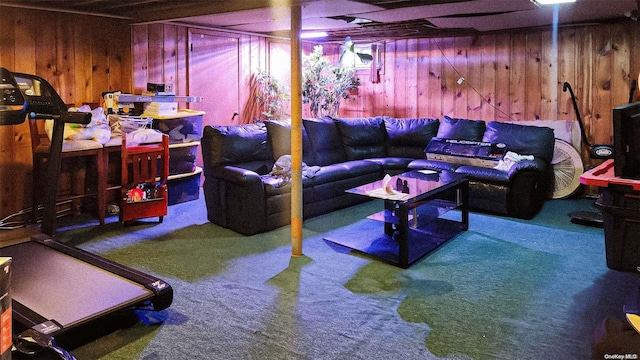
point(59, 291)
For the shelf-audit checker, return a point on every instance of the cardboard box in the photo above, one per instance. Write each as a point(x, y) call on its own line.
point(5, 308)
point(161, 108)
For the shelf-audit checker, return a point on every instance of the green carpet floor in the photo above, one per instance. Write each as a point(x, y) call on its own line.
point(505, 289)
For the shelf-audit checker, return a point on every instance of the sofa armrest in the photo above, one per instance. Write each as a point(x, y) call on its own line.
point(528, 165)
point(526, 185)
point(531, 183)
point(527, 168)
point(235, 199)
point(234, 174)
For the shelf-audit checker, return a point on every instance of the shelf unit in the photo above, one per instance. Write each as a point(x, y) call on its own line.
point(184, 176)
point(129, 98)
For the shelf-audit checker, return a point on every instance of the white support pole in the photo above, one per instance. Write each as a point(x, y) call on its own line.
point(296, 131)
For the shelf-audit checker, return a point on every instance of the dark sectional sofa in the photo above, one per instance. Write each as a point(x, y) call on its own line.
point(347, 152)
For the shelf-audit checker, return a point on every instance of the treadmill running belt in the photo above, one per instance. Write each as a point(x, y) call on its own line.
point(62, 288)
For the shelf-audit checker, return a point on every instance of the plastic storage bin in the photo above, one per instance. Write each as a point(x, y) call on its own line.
point(620, 207)
point(184, 187)
point(620, 204)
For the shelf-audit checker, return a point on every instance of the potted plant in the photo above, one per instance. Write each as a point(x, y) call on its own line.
point(324, 85)
point(270, 95)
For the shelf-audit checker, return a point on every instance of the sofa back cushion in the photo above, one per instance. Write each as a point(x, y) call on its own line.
point(239, 145)
point(362, 138)
point(409, 137)
point(461, 129)
point(538, 141)
point(325, 140)
point(279, 136)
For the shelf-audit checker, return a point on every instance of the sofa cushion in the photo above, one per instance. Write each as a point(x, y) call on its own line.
point(346, 170)
point(279, 135)
point(362, 138)
point(538, 141)
point(409, 137)
point(392, 164)
point(461, 129)
point(325, 140)
point(426, 164)
point(484, 174)
point(235, 145)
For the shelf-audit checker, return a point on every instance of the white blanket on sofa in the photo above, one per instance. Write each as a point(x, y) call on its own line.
point(510, 159)
point(282, 169)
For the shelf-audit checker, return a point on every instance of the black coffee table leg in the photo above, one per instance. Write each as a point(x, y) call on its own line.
point(403, 236)
point(388, 225)
point(463, 201)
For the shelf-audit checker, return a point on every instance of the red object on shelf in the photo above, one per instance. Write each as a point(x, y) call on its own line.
point(603, 176)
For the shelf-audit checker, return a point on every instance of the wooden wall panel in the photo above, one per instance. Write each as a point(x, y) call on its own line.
point(65, 61)
point(99, 61)
point(170, 54)
point(488, 69)
point(161, 54)
point(139, 49)
point(182, 48)
point(583, 83)
point(81, 56)
point(411, 78)
point(155, 53)
point(422, 78)
point(549, 76)
point(602, 53)
point(621, 64)
point(448, 77)
point(503, 78)
point(467, 65)
point(385, 103)
point(512, 76)
point(533, 80)
point(246, 96)
point(83, 69)
point(435, 86)
point(566, 60)
point(518, 83)
point(119, 55)
point(509, 76)
point(397, 99)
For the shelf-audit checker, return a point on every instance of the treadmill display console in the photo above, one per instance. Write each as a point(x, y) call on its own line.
point(12, 104)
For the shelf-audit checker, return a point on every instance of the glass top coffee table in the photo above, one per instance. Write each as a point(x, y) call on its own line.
point(413, 222)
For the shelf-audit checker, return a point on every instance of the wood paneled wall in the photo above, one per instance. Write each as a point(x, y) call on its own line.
point(81, 56)
point(161, 54)
point(507, 76)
